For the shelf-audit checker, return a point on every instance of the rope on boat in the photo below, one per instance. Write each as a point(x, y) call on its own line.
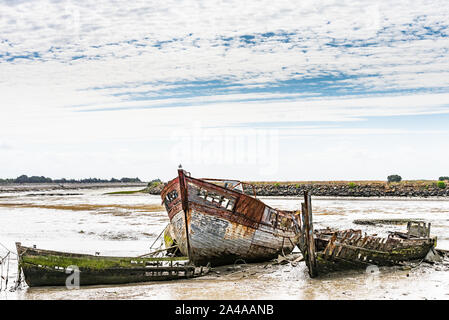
point(419, 263)
point(9, 251)
point(7, 272)
point(7, 258)
point(2, 263)
point(1, 273)
point(18, 282)
point(156, 252)
point(151, 247)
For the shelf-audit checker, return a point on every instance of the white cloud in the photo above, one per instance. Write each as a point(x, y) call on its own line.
point(53, 55)
point(121, 38)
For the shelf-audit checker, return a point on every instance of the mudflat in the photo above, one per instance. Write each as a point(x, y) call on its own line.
point(127, 224)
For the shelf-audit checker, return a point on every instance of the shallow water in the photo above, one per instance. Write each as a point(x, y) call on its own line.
point(89, 221)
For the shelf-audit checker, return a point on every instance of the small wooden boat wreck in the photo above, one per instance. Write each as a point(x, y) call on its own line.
point(52, 268)
point(330, 250)
point(215, 221)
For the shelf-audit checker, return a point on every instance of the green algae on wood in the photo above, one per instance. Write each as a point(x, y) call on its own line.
point(95, 262)
point(168, 239)
point(52, 268)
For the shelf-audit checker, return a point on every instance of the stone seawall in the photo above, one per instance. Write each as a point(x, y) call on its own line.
point(342, 189)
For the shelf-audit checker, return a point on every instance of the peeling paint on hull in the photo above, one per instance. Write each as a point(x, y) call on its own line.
point(220, 235)
point(219, 242)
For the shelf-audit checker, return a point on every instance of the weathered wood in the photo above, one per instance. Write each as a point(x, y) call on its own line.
point(330, 250)
point(51, 268)
point(185, 208)
point(308, 239)
point(211, 223)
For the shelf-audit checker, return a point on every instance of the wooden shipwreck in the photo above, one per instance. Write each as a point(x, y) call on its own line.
point(328, 250)
point(52, 268)
point(215, 221)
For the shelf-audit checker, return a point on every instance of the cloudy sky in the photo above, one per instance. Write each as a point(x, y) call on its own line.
point(262, 90)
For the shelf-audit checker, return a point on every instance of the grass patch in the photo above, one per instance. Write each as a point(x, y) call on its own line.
point(128, 192)
point(86, 207)
point(441, 184)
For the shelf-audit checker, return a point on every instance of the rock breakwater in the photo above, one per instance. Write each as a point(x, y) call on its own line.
point(421, 189)
point(350, 189)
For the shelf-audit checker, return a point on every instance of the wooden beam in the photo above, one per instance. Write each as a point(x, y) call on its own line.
point(185, 207)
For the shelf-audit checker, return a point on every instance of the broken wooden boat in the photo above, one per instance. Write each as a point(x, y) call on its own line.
point(214, 220)
point(328, 250)
point(52, 268)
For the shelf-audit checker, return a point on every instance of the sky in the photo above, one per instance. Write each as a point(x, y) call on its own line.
point(252, 90)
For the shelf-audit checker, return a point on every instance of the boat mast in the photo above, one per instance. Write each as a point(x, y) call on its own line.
point(185, 206)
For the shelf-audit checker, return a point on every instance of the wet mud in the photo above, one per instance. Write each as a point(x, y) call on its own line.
point(127, 224)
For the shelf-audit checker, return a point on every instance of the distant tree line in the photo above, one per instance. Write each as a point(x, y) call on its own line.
point(398, 178)
point(41, 179)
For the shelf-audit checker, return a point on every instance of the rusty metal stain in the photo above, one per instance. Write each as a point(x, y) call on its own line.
point(236, 231)
point(250, 208)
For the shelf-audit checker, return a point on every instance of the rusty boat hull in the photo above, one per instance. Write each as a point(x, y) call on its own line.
point(217, 224)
